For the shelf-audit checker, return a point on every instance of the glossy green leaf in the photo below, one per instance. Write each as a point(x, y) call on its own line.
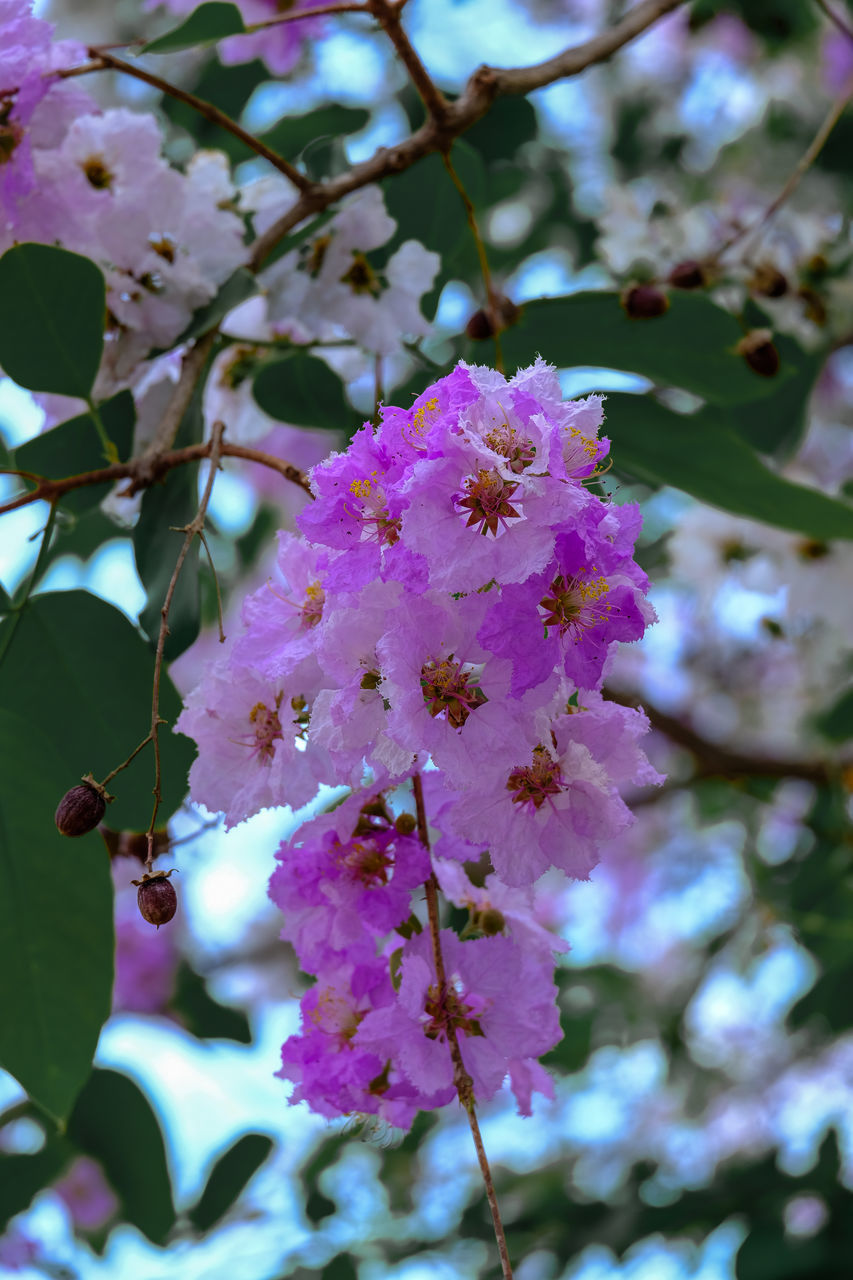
point(302, 390)
point(52, 312)
point(56, 941)
point(230, 1176)
point(167, 508)
point(74, 447)
point(203, 1016)
point(509, 123)
point(113, 1121)
point(290, 135)
point(205, 25)
point(691, 346)
point(702, 455)
point(76, 664)
point(427, 205)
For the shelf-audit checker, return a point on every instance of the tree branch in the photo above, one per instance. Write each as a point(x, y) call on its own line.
point(145, 471)
point(484, 86)
point(389, 17)
point(104, 61)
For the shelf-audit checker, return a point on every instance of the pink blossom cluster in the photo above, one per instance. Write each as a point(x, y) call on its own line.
point(95, 182)
point(449, 612)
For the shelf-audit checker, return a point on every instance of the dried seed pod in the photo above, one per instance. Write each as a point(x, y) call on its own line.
point(80, 810)
point(689, 274)
point(156, 898)
point(759, 352)
point(644, 302)
point(480, 326)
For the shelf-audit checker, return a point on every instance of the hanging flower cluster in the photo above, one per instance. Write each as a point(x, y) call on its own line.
point(452, 605)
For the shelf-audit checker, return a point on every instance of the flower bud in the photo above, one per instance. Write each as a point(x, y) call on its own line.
point(644, 302)
point(768, 281)
point(405, 824)
point(80, 810)
point(759, 352)
point(484, 324)
point(490, 921)
point(156, 898)
point(689, 274)
point(480, 327)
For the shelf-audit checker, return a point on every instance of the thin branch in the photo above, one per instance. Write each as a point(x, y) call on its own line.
point(134, 753)
point(715, 761)
point(833, 17)
point(802, 167)
point(461, 1079)
point(191, 369)
point(143, 472)
point(484, 86)
point(297, 15)
point(104, 61)
point(206, 546)
point(389, 17)
point(196, 526)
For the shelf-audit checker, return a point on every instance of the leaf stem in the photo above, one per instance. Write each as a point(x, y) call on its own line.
point(110, 451)
point(19, 605)
point(462, 1080)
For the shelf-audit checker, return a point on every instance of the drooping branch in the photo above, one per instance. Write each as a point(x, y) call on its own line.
point(145, 471)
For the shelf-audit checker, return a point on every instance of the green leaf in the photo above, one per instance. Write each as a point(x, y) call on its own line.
point(691, 346)
point(231, 1174)
point(292, 134)
point(77, 664)
point(427, 205)
point(113, 1121)
point(74, 446)
point(52, 312)
point(702, 455)
point(5, 600)
point(21, 1177)
point(302, 390)
point(205, 25)
point(203, 1016)
point(56, 944)
point(836, 722)
point(509, 123)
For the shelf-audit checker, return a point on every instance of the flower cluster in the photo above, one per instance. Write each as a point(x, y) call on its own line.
point(452, 606)
point(96, 182)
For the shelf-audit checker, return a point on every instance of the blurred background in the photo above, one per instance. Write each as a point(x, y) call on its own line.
point(703, 1120)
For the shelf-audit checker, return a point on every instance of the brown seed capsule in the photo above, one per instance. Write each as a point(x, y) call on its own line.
point(644, 302)
point(405, 824)
point(484, 324)
point(480, 326)
point(768, 281)
point(759, 352)
point(156, 898)
point(80, 810)
point(689, 274)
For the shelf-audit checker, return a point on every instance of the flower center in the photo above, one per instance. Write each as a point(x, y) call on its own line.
point(575, 602)
point(267, 726)
point(487, 502)
point(374, 511)
point(97, 173)
point(368, 861)
point(536, 782)
point(452, 687)
point(361, 277)
point(312, 609)
point(313, 255)
point(445, 1008)
point(506, 441)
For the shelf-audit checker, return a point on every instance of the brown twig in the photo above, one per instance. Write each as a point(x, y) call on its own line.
point(103, 61)
point(143, 472)
point(388, 16)
point(296, 15)
point(461, 1078)
point(196, 526)
point(484, 86)
point(833, 17)
point(803, 165)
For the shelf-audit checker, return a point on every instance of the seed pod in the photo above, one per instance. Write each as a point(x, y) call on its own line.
point(405, 824)
point(689, 274)
point(768, 281)
point(759, 352)
point(480, 327)
point(80, 810)
point(156, 898)
point(490, 921)
point(644, 302)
